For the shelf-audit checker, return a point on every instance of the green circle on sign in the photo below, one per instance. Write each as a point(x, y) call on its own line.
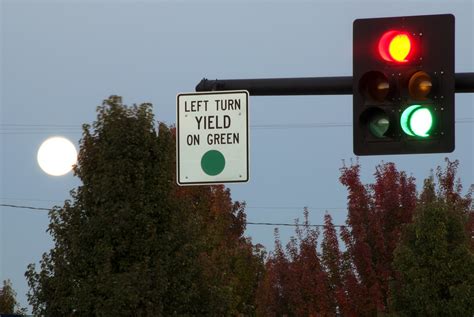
point(213, 162)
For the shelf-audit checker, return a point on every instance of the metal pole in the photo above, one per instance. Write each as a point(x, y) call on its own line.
point(306, 86)
point(464, 82)
point(282, 86)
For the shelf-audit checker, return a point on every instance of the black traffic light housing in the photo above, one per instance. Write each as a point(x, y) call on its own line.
point(402, 63)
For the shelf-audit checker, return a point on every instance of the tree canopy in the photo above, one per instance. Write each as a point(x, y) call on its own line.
point(373, 266)
point(434, 261)
point(131, 242)
point(8, 302)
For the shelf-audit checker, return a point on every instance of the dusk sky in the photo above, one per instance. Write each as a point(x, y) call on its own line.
point(61, 59)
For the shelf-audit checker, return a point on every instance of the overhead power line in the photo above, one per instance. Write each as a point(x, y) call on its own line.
point(299, 208)
point(286, 224)
point(247, 206)
point(247, 222)
point(31, 199)
point(25, 207)
point(14, 128)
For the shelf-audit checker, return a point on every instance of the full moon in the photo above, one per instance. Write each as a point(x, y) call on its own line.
point(56, 156)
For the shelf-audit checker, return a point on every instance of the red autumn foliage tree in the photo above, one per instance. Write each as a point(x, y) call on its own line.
point(376, 214)
point(273, 293)
point(302, 281)
point(295, 282)
point(308, 279)
point(338, 270)
point(309, 287)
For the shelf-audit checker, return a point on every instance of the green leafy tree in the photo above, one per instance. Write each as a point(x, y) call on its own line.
point(434, 260)
point(131, 242)
point(8, 303)
point(231, 265)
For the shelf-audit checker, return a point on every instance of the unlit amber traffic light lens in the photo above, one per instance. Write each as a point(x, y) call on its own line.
point(419, 85)
point(380, 89)
point(395, 46)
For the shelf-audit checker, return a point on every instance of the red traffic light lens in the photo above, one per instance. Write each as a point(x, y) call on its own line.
point(395, 46)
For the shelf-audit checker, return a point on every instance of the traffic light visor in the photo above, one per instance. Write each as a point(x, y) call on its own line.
point(395, 46)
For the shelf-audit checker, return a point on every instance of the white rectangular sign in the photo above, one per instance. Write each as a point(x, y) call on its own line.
point(212, 138)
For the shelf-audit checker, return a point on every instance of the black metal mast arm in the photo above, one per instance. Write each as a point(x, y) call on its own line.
point(282, 86)
point(306, 86)
point(464, 82)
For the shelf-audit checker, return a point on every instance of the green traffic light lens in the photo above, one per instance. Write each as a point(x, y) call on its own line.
point(377, 122)
point(417, 121)
point(421, 122)
point(378, 125)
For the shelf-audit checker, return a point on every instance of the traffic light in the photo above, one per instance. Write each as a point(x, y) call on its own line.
point(403, 85)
